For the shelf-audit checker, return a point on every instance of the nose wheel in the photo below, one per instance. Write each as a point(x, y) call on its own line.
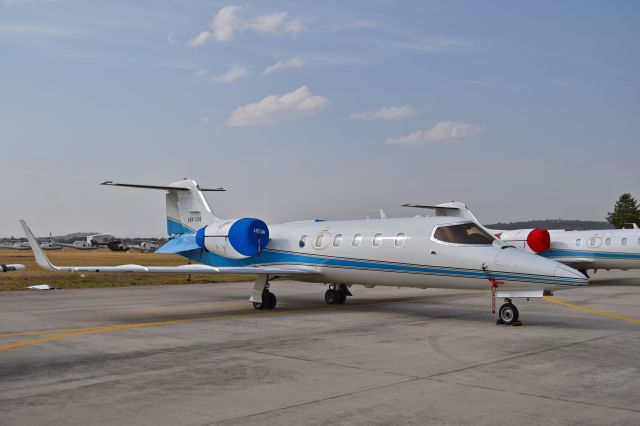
point(508, 314)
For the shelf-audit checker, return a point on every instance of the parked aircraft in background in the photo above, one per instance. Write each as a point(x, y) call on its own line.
point(18, 245)
point(144, 246)
point(583, 250)
point(11, 267)
point(447, 250)
point(24, 245)
point(80, 245)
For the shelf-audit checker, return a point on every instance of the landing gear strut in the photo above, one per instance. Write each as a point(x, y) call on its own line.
point(337, 294)
point(266, 300)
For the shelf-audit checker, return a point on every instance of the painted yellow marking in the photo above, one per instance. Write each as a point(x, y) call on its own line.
point(63, 334)
point(592, 310)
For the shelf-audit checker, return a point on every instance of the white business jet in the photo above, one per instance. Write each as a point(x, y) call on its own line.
point(11, 267)
point(583, 250)
point(447, 250)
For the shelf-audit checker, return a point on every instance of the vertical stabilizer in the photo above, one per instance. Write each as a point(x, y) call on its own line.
point(187, 210)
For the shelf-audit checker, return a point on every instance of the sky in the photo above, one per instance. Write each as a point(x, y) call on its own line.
point(307, 109)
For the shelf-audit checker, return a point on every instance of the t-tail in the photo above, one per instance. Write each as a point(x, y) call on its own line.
point(187, 209)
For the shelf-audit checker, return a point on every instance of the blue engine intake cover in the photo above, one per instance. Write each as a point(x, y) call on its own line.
point(245, 234)
point(200, 236)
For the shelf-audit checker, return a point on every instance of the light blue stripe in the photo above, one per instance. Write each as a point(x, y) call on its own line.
point(270, 257)
point(594, 254)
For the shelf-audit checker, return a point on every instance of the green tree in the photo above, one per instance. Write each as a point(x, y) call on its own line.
point(625, 211)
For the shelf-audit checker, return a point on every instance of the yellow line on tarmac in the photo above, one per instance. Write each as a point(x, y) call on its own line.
point(63, 334)
point(592, 310)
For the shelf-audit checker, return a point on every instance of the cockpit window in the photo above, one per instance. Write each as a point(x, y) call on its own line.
point(464, 233)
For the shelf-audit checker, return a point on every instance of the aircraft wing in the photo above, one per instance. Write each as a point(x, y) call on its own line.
point(44, 262)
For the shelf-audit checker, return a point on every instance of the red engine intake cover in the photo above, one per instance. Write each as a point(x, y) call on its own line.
point(539, 240)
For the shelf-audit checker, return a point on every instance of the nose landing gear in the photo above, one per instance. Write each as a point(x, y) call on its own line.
point(261, 297)
point(508, 314)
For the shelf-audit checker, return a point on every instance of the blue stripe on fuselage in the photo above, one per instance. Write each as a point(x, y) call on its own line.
point(269, 257)
point(582, 253)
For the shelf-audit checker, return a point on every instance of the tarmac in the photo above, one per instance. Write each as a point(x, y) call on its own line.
point(200, 355)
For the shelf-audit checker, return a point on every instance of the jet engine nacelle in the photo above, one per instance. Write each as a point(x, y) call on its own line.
point(234, 239)
point(537, 240)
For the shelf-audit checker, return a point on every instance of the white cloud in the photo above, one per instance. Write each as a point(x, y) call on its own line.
point(423, 44)
point(387, 113)
point(228, 21)
point(275, 109)
point(33, 31)
point(296, 63)
point(205, 120)
point(232, 75)
point(442, 131)
point(199, 72)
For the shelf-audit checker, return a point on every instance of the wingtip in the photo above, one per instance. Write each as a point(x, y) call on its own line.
point(41, 258)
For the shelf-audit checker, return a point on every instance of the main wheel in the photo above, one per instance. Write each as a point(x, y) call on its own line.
point(269, 301)
point(343, 297)
point(272, 301)
point(332, 297)
point(508, 313)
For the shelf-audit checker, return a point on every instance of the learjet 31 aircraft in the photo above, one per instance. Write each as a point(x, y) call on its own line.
point(447, 250)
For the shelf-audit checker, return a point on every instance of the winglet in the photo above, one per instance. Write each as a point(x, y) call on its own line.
point(41, 258)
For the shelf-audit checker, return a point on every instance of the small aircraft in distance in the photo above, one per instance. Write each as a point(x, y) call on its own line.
point(25, 245)
point(80, 245)
point(11, 267)
point(583, 250)
point(144, 246)
point(18, 245)
point(447, 250)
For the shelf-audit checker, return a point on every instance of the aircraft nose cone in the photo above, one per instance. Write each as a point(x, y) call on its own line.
point(564, 271)
point(523, 262)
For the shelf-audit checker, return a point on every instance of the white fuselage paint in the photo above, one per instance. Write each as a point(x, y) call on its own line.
point(420, 261)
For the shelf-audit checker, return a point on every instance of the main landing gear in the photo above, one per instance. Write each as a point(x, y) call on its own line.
point(269, 301)
point(508, 314)
point(337, 294)
point(261, 297)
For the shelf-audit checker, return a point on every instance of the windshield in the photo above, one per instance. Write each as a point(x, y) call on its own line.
point(464, 233)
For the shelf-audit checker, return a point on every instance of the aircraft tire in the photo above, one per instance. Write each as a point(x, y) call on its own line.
point(273, 300)
point(269, 301)
point(343, 298)
point(332, 297)
point(508, 314)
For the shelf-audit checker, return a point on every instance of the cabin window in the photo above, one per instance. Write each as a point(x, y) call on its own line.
point(357, 239)
point(303, 241)
point(337, 240)
point(400, 239)
point(607, 242)
point(464, 233)
point(319, 241)
point(377, 240)
point(594, 242)
point(623, 241)
point(578, 242)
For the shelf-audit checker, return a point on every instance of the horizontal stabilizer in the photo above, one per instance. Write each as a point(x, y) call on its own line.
point(179, 244)
point(421, 206)
point(166, 188)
